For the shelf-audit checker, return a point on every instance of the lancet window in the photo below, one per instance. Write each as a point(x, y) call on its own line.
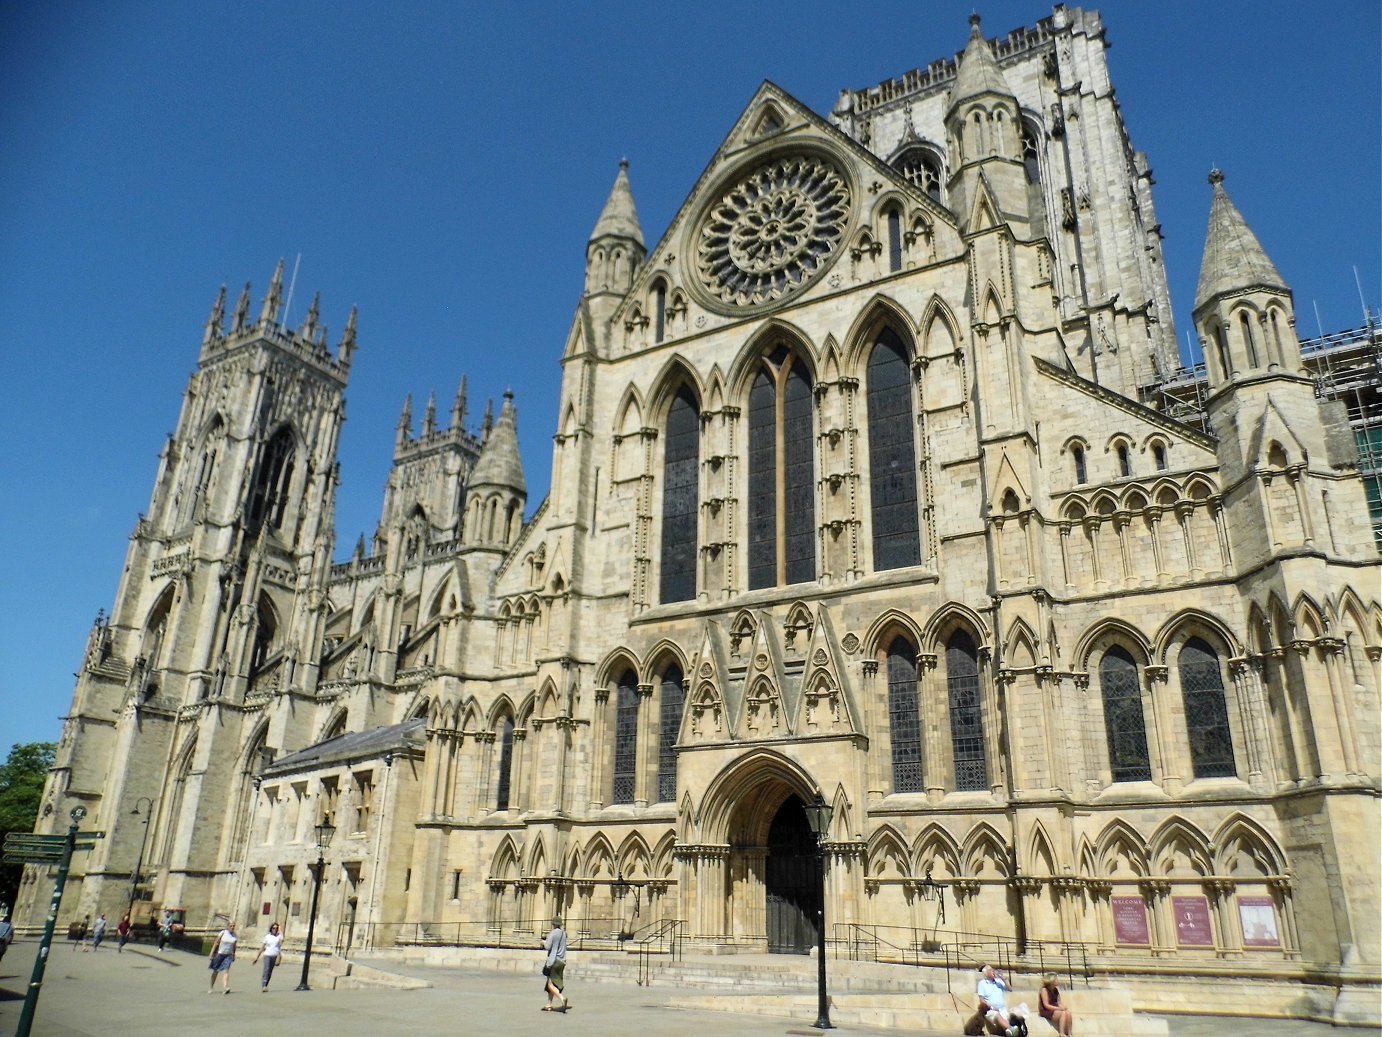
point(782, 462)
point(966, 713)
point(904, 717)
point(1123, 720)
point(1206, 712)
point(672, 698)
point(680, 498)
point(626, 704)
point(892, 456)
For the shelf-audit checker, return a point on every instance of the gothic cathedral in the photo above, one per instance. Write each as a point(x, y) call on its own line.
point(858, 493)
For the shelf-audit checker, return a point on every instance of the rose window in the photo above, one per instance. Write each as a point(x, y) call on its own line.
point(773, 231)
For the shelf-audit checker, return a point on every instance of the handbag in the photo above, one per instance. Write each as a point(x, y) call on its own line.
point(547, 970)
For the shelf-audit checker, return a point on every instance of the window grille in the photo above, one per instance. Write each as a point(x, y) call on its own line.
point(680, 499)
point(1206, 712)
point(1123, 721)
point(892, 456)
point(966, 713)
point(904, 717)
point(671, 708)
point(625, 738)
point(501, 799)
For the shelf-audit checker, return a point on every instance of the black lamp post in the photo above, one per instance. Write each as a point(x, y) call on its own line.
point(818, 817)
point(143, 841)
point(325, 831)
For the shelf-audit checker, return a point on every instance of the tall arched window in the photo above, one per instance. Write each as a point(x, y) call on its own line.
point(1206, 712)
point(672, 696)
point(1124, 460)
point(1081, 473)
point(626, 738)
point(1031, 153)
point(966, 713)
point(782, 474)
point(904, 716)
point(505, 776)
point(659, 312)
point(894, 239)
point(206, 469)
point(1123, 720)
point(680, 499)
point(269, 495)
point(892, 456)
point(1249, 339)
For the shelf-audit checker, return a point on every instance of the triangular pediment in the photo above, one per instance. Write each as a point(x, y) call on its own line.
point(827, 707)
point(1271, 427)
point(764, 713)
point(774, 125)
point(706, 716)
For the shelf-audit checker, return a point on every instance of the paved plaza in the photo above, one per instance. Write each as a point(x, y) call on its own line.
point(141, 993)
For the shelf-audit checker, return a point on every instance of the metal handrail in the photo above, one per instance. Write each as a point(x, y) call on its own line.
point(582, 934)
point(956, 950)
point(668, 933)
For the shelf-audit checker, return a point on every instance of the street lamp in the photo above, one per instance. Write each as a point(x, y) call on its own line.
point(818, 817)
point(143, 842)
point(325, 831)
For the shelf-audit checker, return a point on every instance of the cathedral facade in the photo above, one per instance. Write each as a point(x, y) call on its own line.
point(857, 493)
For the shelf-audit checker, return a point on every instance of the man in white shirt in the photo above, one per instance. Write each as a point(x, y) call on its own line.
point(992, 992)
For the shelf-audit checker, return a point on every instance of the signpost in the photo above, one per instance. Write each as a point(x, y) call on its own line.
point(22, 848)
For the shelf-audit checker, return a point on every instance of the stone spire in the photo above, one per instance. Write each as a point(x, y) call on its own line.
point(499, 463)
point(347, 349)
point(429, 417)
point(309, 324)
point(620, 216)
point(615, 250)
point(1234, 260)
point(405, 421)
point(488, 423)
point(215, 323)
point(978, 72)
point(242, 311)
point(458, 408)
point(273, 300)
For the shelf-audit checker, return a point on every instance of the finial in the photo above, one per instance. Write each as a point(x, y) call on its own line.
point(974, 20)
point(360, 547)
point(273, 301)
point(215, 324)
point(309, 326)
point(405, 420)
point(459, 407)
point(242, 311)
point(488, 423)
point(1216, 176)
point(429, 419)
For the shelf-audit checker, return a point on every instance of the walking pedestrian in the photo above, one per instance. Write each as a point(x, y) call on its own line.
point(124, 930)
point(554, 969)
point(99, 933)
point(223, 957)
point(6, 935)
point(271, 951)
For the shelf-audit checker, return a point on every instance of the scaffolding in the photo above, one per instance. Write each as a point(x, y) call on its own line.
point(1346, 367)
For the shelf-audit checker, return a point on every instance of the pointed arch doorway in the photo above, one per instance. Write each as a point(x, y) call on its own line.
point(792, 881)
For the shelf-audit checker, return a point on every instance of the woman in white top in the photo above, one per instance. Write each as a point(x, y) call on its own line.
point(270, 951)
point(223, 957)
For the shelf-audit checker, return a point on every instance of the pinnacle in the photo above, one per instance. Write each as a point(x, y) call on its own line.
point(1233, 257)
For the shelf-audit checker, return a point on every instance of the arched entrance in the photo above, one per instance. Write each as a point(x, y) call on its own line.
point(792, 882)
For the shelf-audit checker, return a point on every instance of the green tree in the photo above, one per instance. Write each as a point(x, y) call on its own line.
point(21, 790)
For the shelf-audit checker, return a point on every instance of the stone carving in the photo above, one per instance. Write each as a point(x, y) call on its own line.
point(773, 231)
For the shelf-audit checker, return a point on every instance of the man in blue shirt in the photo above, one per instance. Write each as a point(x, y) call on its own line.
point(992, 992)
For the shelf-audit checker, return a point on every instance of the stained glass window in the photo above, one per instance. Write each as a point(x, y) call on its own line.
point(782, 476)
point(966, 713)
point(904, 717)
point(680, 498)
point(670, 708)
point(892, 456)
point(1206, 712)
point(501, 799)
point(894, 240)
point(625, 738)
point(1123, 720)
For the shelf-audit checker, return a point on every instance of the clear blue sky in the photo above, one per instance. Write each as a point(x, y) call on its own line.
point(442, 164)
